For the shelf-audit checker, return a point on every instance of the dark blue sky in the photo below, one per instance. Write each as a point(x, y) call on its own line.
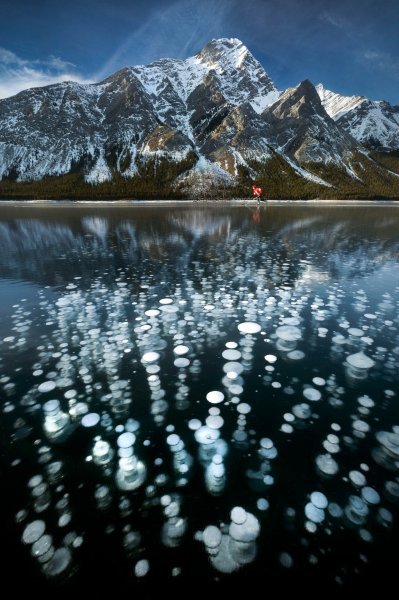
point(352, 46)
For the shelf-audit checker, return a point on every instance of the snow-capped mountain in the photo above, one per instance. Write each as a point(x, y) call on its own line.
point(374, 123)
point(216, 112)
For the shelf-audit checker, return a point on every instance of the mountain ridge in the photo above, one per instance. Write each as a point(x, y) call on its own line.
point(214, 117)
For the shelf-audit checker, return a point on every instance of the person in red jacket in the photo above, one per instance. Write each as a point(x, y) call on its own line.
point(256, 191)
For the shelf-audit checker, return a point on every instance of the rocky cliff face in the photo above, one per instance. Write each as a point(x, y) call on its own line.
point(219, 106)
point(374, 123)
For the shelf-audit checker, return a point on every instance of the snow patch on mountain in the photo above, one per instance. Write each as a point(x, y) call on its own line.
point(371, 122)
point(100, 172)
point(335, 104)
point(305, 174)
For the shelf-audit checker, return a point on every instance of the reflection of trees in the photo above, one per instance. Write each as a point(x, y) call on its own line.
point(56, 246)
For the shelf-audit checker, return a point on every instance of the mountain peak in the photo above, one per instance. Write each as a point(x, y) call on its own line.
point(335, 104)
point(224, 52)
point(302, 99)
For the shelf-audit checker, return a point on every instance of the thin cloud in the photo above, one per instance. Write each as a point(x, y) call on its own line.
point(334, 19)
point(382, 61)
point(17, 74)
point(176, 31)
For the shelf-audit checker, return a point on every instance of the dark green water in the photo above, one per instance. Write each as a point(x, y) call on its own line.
point(315, 290)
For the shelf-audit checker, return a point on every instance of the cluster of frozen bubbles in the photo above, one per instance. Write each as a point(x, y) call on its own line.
point(116, 369)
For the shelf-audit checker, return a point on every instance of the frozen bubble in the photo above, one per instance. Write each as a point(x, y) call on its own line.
point(289, 417)
point(286, 428)
point(249, 327)
point(390, 441)
point(46, 386)
point(288, 333)
point(150, 357)
point(314, 514)
point(205, 435)
point(319, 500)
point(327, 464)
point(165, 500)
point(357, 478)
point(152, 312)
point(286, 560)
point(212, 536)
point(310, 526)
point(243, 408)
point(266, 443)
point(194, 424)
point(392, 489)
point(170, 308)
point(359, 361)
point(33, 531)
point(35, 481)
point(355, 331)
point(214, 422)
point(312, 394)
point(319, 381)
point(173, 439)
point(142, 328)
point(64, 519)
point(181, 362)
point(141, 568)
point(262, 504)
point(42, 547)
point(236, 389)
point(330, 447)
point(365, 535)
point(231, 345)
point(166, 301)
point(59, 562)
point(126, 440)
point(291, 321)
point(361, 426)
point(90, 420)
point(238, 515)
point(302, 411)
point(366, 401)
point(215, 397)
point(240, 436)
point(335, 510)
point(214, 410)
point(270, 358)
point(296, 355)
point(333, 439)
point(63, 302)
point(231, 354)
point(370, 495)
point(180, 350)
point(233, 366)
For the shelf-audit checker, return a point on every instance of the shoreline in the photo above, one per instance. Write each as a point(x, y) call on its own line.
point(221, 202)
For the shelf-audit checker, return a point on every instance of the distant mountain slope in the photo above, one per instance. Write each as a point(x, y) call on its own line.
point(178, 127)
point(374, 123)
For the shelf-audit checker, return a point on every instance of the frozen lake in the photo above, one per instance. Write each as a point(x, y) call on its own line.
point(199, 394)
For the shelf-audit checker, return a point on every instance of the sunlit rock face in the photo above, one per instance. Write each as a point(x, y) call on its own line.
point(214, 114)
point(235, 402)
